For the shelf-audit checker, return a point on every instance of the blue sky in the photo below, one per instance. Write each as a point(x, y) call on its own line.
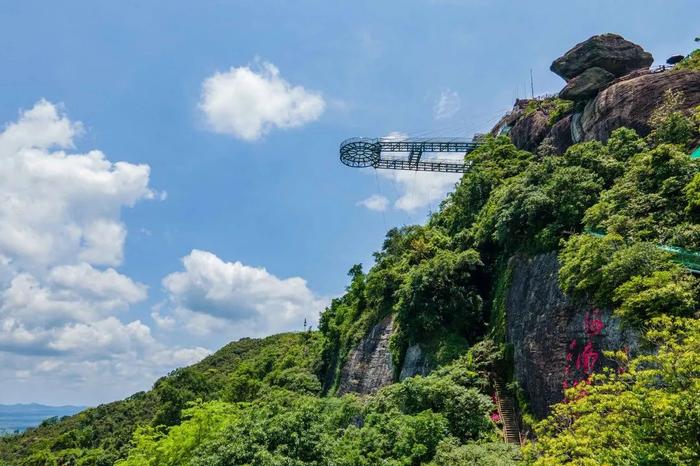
point(240, 179)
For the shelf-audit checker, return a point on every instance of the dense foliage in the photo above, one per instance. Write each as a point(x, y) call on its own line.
point(617, 212)
point(406, 423)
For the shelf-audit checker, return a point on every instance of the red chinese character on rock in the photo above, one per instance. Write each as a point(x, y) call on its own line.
point(584, 355)
point(587, 358)
point(592, 325)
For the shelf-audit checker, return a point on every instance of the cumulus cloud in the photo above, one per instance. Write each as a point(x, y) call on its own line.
point(57, 206)
point(103, 338)
point(446, 105)
point(375, 202)
point(70, 311)
point(212, 295)
point(248, 103)
point(61, 239)
point(68, 293)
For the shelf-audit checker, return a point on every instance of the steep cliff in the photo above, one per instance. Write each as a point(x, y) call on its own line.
point(556, 342)
point(369, 366)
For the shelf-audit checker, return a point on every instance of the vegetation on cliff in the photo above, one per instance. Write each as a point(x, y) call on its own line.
point(691, 62)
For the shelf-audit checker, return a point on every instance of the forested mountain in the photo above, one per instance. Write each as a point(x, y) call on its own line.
point(574, 218)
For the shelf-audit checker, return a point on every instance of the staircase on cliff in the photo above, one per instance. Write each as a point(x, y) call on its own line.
point(507, 411)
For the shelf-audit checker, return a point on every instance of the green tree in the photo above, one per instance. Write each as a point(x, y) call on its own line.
point(440, 293)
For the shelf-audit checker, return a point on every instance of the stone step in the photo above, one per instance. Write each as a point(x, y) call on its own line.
point(507, 410)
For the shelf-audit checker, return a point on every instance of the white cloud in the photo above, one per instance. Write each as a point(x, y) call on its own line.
point(248, 104)
point(99, 284)
point(375, 202)
point(65, 379)
point(102, 338)
point(58, 206)
point(179, 357)
point(77, 293)
point(212, 295)
point(61, 237)
point(162, 321)
point(446, 105)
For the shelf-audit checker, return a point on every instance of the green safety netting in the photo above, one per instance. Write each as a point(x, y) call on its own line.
point(688, 259)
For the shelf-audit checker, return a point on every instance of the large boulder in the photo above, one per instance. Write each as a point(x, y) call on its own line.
point(587, 84)
point(610, 52)
point(630, 102)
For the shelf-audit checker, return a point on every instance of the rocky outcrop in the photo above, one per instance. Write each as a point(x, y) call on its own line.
point(587, 84)
point(630, 102)
point(415, 363)
point(610, 52)
point(556, 342)
point(369, 366)
point(626, 101)
point(530, 130)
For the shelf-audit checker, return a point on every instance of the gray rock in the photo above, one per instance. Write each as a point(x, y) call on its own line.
point(551, 334)
point(415, 363)
point(369, 366)
point(630, 102)
point(560, 135)
point(587, 84)
point(529, 131)
point(608, 51)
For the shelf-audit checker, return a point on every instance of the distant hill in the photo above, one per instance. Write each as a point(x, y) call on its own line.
point(19, 417)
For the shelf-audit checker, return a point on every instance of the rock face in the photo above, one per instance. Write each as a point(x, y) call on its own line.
point(560, 134)
point(556, 342)
point(415, 363)
point(369, 366)
point(529, 130)
point(587, 84)
point(630, 102)
point(610, 52)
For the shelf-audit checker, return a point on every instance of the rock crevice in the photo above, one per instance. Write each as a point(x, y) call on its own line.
point(369, 366)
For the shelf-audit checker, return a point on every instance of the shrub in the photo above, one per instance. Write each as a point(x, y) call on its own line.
point(465, 408)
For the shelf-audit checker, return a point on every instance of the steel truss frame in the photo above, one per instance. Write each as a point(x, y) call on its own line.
point(367, 152)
